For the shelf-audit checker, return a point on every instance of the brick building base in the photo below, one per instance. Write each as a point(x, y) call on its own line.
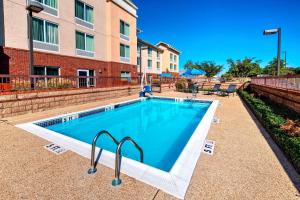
point(15, 62)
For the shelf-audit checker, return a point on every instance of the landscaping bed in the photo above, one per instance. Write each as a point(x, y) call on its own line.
point(281, 123)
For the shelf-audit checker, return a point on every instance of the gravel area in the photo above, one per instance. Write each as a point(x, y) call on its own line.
point(246, 163)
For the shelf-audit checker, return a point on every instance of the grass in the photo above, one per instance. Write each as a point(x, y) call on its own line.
point(272, 116)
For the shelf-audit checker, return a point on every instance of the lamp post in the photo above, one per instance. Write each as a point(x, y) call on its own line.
point(32, 7)
point(271, 32)
point(284, 59)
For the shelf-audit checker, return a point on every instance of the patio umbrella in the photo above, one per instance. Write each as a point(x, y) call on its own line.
point(193, 72)
point(166, 75)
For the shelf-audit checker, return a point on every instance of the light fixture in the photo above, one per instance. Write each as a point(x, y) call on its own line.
point(272, 32)
point(34, 6)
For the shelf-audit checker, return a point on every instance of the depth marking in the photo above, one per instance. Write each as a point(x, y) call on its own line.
point(208, 147)
point(56, 149)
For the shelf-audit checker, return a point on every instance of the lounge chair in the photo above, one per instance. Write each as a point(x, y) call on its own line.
point(215, 89)
point(230, 90)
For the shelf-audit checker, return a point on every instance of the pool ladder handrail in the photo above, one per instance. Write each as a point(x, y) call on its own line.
point(93, 168)
point(117, 181)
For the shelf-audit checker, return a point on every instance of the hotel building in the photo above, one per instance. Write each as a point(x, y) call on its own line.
point(156, 59)
point(170, 58)
point(70, 38)
point(149, 58)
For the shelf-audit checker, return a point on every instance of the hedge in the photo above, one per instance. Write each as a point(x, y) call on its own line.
point(271, 117)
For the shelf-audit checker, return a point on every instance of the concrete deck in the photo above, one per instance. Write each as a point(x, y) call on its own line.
point(246, 164)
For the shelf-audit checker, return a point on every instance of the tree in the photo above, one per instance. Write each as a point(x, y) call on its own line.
point(244, 68)
point(271, 68)
point(211, 69)
point(189, 65)
point(296, 70)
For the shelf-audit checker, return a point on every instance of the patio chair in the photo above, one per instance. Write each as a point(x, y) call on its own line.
point(147, 89)
point(230, 90)
point(215, 89)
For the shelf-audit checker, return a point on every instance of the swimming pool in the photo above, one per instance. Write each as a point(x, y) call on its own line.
point(170, 131)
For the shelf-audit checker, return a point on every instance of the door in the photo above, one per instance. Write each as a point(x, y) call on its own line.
point(83, 80)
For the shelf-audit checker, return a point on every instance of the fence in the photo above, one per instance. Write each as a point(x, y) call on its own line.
point(15, 83)
point(280, 82)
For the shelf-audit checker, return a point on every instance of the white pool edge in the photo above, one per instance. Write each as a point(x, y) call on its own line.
point(175, 182)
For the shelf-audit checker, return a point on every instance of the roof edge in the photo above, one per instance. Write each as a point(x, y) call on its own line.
point(168, 46)
point(149, 44)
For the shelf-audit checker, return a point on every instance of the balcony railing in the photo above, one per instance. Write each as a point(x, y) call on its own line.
point(290, 82)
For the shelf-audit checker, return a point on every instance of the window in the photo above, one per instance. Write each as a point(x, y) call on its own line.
point(44, 31)
point(171, 57)
point(171, 66)
point(125, 75)
point(149, 52)
point(158, 65)
point(46, 71)
point(149, 64)
point(124, 52)
point(175, 58)
point(86, 78)
point(84, 41)
point(158, 56)
point(124, 28)
point(139, 61)
point(175, 67)
point(50, 3)
point(84, 11)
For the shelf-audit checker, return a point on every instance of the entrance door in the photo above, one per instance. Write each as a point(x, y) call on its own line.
point(83, 80)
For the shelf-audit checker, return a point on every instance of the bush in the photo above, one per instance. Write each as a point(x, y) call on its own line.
point(273, 119)
point(54, 83)
point(226, 77)
point(181, 84)
point(21, 86)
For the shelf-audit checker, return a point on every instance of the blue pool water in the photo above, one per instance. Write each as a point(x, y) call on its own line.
point(161, 127)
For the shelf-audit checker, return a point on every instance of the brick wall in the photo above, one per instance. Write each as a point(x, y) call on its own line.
point(288, 98)
point(15, 62)
point(17, 104)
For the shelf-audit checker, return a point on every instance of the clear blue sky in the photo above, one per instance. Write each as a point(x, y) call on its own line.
point(219, 29)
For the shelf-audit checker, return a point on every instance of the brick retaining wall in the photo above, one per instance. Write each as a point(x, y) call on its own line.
point(22, 103)
point(288, 98)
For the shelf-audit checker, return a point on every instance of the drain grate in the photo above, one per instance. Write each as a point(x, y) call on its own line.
point(216, 120)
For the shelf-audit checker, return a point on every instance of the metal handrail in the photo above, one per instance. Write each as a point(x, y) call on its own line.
point(93, 168)
point(117, 181)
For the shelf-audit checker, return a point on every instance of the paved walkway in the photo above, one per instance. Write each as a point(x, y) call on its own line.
point(246, 164)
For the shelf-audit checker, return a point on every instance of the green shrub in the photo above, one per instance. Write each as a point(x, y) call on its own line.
point(181, 84)
point(272, 118)
point(226, 77)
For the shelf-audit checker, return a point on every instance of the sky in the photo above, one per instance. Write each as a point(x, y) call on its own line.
point(215, 30)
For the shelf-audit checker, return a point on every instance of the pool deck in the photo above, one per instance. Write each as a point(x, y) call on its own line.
point(246, 163)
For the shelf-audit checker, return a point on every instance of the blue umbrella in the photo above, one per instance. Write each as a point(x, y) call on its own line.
point(193, 72)
point(166, 75)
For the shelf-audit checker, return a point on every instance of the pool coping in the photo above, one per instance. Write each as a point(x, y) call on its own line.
point(175, 182)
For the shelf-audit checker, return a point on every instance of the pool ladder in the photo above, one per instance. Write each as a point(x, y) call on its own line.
point(116, 181)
